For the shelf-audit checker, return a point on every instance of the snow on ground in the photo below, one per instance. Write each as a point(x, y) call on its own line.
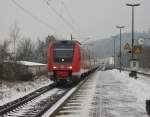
point(113, 94)
point(120, 96)
point(133, 88)
point(146, 71)
point(27, 63)
point(29, 108)
point(10, 91)
point(110, 94)
point(140, 87)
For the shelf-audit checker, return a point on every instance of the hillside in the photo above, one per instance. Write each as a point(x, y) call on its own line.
point(105, 47)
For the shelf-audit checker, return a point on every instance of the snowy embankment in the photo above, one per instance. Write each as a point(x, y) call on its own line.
point(139, 87)
point(10, 91)
point(145, 71)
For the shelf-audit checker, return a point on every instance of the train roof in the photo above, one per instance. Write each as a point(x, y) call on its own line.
point(66, 42)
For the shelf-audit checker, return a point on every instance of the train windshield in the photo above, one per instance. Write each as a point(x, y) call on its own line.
point(63, 53)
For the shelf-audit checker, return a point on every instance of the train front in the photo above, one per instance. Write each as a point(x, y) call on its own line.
point(64, 61)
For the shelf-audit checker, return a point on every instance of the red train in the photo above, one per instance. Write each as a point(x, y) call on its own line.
point(68, 61)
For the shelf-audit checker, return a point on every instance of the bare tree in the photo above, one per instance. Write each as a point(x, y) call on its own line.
point(4, 54)
point(14, 36)
point(42, 47)
point(25, 50)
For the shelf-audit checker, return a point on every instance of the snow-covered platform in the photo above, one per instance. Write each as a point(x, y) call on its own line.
point(121, 96)
point(109, 94)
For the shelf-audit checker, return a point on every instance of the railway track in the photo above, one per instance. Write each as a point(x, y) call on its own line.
point(35, 103)
point(38, 102)
point(78, 92)
point(5, 109)
point(37, 106)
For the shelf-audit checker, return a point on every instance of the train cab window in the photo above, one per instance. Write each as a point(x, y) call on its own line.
point(63, 53)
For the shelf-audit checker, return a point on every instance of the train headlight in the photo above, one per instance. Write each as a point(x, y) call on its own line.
point(70, 67)
point(54, 67)
point(62, 60)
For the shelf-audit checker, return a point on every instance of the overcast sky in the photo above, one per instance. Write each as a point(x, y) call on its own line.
point(82, 18)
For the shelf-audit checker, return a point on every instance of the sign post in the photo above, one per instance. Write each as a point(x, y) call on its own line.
point(134, 65)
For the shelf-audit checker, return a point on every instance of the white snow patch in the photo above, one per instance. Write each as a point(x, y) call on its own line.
point(10, 91)
point(35, 101)
point(31, 63)
point(140, 88)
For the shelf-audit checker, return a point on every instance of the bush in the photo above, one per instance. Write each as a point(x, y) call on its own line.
point(1, 68)
point(14, 71)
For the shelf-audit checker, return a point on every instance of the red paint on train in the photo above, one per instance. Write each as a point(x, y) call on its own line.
point(67, 60)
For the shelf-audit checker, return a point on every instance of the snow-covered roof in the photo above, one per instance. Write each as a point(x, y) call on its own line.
point(27, 63)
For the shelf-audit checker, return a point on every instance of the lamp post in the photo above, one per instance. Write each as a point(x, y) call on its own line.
point(114, 52)
point(120, 27)
point(132, 5)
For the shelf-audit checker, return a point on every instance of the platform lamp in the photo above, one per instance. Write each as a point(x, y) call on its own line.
point(120, 27)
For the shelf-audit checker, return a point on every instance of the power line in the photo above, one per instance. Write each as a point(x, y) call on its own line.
point(33, 16)
point(60, 16)
point(72, 19)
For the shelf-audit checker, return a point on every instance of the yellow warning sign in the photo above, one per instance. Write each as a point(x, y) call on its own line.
point(136, 50)
point(126, 46)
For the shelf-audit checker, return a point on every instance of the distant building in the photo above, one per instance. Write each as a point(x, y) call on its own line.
point(34, 68)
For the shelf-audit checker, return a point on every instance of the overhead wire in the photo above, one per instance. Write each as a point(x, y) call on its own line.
point(35, 17)
point(59, 15)
point(72, 19)
point(45, 23)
